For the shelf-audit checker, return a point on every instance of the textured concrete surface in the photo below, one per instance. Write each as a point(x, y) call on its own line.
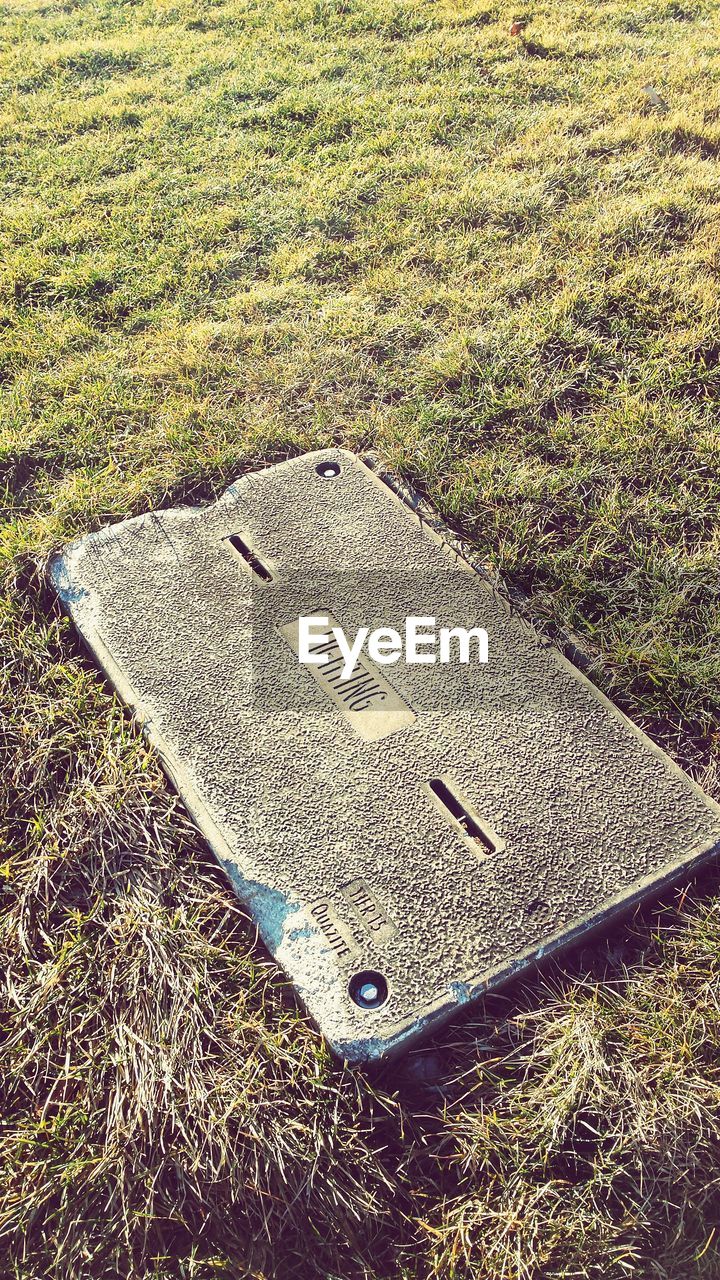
point(358, 879)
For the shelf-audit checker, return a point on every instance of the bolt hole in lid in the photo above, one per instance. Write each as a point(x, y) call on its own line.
point(328, 470)
point(368, 989)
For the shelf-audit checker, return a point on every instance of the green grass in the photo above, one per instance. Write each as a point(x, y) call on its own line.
point(233, 231)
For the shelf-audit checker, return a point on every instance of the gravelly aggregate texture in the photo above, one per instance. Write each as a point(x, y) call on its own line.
point(343, 857)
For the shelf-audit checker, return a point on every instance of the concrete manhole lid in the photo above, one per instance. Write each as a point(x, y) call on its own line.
point(405, 835)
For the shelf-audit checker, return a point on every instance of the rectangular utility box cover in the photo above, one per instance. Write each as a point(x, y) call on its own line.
point(410, 835)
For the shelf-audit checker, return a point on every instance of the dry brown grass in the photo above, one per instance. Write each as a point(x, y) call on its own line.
point(169, 1112)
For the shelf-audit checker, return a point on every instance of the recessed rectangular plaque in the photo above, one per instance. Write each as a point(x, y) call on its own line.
point(406, 835)
point(363, 697)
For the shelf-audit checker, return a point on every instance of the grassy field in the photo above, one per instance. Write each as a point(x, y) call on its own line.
point(232, 231)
